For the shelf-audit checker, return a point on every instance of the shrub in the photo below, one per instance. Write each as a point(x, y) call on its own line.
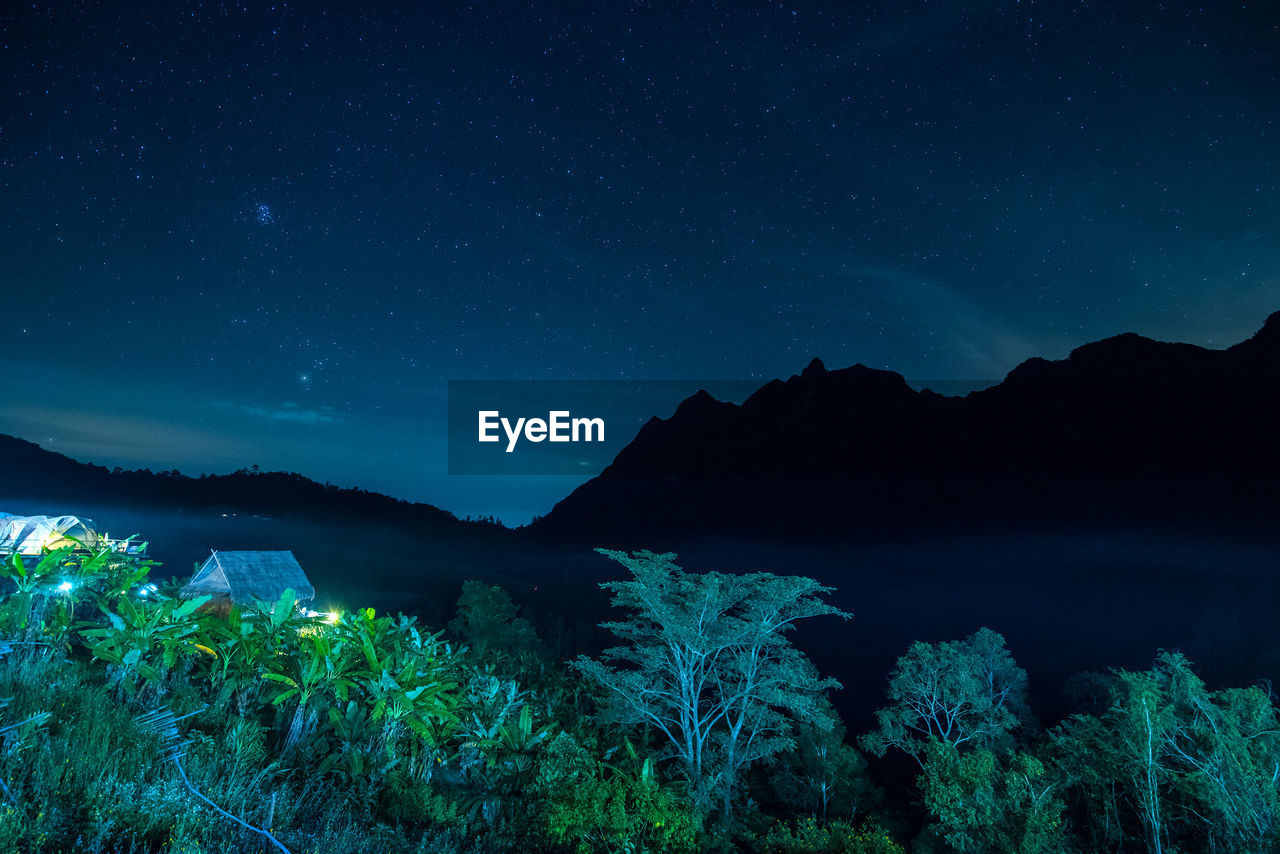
point(809, 836)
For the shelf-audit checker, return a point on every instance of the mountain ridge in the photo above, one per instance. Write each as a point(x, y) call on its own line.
point(1112, 424)
point(26, 468)
point(851, 446)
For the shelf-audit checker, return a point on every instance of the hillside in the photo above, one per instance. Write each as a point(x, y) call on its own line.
point(355, 545)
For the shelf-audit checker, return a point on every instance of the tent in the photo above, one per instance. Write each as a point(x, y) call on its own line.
point(31, 535)
point(245, 576)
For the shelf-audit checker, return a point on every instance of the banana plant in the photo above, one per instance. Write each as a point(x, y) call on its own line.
point(406, 678)
point(109, 574)
point(356, 757)
point(636, 769)
point(317, 667)
point(29, 580)
point(100, 576)
point(33, 586)
point(239, 650)
point(509, 750)
point(146, 639)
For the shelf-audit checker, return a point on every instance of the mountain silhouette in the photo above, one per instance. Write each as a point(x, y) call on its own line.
point(28, 469)
point(1126, 429)
point(356, 546)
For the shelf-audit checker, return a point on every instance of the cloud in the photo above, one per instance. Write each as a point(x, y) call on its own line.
point(291, 413)
point(286, 413)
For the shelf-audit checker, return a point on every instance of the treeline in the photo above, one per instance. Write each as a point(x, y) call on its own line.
point(135, 721)
point(248, 490)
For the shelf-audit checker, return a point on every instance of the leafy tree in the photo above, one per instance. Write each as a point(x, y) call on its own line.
point(981, 803)
point(823, 775)
point(706, 663)
point(1173, 765)
point(968, 692)
point(490, 624)
point(1227, 746)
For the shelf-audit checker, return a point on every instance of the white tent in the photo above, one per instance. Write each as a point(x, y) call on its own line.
point(30, 535)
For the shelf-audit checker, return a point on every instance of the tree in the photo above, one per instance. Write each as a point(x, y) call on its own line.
point(1193, 769)
point(823, 775)
point(968, 692)
point(490, 623)
point(706, 662)
point(981, 803)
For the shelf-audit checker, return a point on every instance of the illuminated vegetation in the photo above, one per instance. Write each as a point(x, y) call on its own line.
point(705, 729)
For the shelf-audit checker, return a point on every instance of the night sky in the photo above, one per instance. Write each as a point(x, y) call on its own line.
point(251, 234)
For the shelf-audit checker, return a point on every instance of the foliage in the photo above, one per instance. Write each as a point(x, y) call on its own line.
point(489, 623)
point(368, 732)
point(64, 578)
point(594, 807)
point(1172, 765)
point(822, 775)
point(145, 638)
point(706, 662)
point(810, 836)
point(968, 692)
point(982, 802)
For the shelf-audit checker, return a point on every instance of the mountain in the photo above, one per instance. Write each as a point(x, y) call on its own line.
point(1123, 430)
point(25, 466)
point(357, 546)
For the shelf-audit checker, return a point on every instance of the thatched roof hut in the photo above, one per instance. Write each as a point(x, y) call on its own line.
point(240, 577)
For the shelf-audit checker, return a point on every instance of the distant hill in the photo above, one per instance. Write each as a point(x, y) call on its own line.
point(357, 546)
point(26, 467)
point(1124, 430)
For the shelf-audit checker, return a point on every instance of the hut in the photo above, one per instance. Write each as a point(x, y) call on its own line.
point(241, 577)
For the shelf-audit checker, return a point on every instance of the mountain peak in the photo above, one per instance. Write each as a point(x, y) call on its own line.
point(1124, 344)
point(699, 402)
point(815, 368)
